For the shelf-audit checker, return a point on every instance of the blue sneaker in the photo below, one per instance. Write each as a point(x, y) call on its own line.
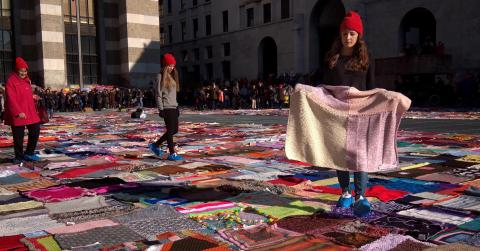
point(362, 207)
point(32, 157)
point(156, 150)
point(345, 201)
point(175, 157)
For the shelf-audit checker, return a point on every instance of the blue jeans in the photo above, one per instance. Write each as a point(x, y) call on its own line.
point(360, 182)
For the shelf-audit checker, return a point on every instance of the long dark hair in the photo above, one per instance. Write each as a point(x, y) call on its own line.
point(359, 61)
point(170, 79)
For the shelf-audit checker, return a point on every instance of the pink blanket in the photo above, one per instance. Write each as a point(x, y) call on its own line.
point(343, 128)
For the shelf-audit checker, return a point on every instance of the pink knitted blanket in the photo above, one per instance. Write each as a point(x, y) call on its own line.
point(343, 128)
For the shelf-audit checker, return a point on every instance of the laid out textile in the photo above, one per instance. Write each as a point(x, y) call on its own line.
point(390, 242)
point(26, 213)
point(256, 236)
point(77, 172)
point(436, 215)
point(456, 235)
point(311, 224)
point(56, 194)
point(343, 128)
point(30, 185)
point(471, 225)
point(95, 183)
point(348, 213)
point(58, 165)
point(26, 224)
point(419, 229)
point(453, 247)
point(443, 177)
point(364, 228)
point(305, 243)
point(290, 209)
point(81, 227)
point(13, 179)
point(194, 241)
point(83, 203)
point(46, 243)
point(12, 242)
point(389, 207)
point(20, 206)
point(205, 207)
point(350, 239)
point(106, 236)
point(157, 219)
point(114, 208)
point(464, 202)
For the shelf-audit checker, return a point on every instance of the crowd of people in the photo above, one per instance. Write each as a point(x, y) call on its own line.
point(95, 100)
point(243, 94)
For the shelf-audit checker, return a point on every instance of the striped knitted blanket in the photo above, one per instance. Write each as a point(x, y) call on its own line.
point(342, 128)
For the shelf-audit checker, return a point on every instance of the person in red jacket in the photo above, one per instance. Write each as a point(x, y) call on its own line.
point(20, 112)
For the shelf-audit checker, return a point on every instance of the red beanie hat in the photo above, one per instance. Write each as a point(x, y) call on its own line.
point(20, 64)
point(352, 21)
point(168, 59)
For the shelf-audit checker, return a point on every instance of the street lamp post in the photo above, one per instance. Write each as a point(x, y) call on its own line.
point(79, 41)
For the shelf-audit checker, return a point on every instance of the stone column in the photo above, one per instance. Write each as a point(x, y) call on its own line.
point(50, 46)
point(139, 47)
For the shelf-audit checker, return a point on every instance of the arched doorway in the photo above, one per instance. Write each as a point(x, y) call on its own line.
point(418, 32)
point(267, 58)
point(324, 28)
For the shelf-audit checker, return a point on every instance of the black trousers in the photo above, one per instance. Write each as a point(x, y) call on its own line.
point(171, 122)
point(18, 135)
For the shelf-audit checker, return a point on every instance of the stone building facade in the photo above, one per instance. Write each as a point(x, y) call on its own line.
point(120, 41)
point(217, 39)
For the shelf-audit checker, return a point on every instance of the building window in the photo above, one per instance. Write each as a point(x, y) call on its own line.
point(195, 28)
point(5, 8)
point(170, 33)
point(163, 36)
point(196, 72)
point(225, 21)
point(209, 52)
point(184, 30)
point(89, 57)
point(161, 11)
point(185, 56)
point(87, 11)
point(267, 13)
point(182, 4)
point(209, 71)
point(226, 70)
point(195, 3)
point(208, 25)
point(6, 55)
point(285, 9)
point(196, 54)
point(169, 6)
point(226, 49)
point(250, 17)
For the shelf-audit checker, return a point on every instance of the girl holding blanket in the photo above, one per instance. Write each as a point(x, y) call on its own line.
point(349, 64)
